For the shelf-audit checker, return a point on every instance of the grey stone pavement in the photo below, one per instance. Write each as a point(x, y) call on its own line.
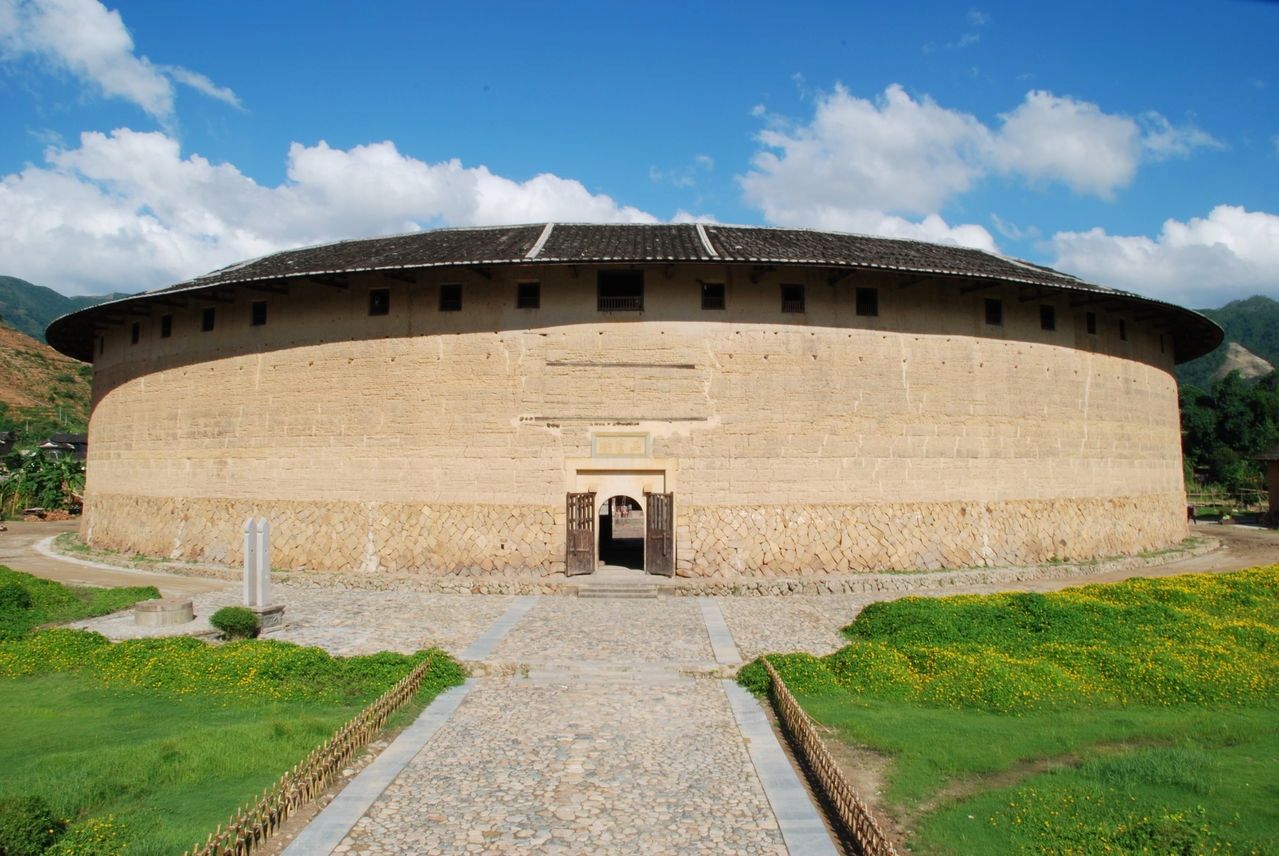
point(591, 726)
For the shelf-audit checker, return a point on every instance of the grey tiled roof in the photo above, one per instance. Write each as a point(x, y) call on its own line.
point(561, 243)
point(634, 243)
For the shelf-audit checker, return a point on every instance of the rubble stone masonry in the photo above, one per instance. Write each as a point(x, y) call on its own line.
point(819, 442)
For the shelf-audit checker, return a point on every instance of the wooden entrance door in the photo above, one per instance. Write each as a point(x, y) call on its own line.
point(580, 550)
point(659, 534)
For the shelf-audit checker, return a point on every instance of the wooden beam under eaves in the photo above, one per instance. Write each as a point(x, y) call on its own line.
point(912, 281)
point(978, 286)
point(758, 271)
point(140, 311)
point(215, 297)
point(400, 276)
point(837, 276)
point(330, 280)
point(269, 288)
point(1040, 294)
point(1076, 302)
point(482, 272)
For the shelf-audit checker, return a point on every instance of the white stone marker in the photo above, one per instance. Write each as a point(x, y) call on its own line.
point(257, 573)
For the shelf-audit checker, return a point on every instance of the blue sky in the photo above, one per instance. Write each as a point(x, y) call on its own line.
point(1136, 145)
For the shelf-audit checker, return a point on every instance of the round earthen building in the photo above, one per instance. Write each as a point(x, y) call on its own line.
point(699, 399)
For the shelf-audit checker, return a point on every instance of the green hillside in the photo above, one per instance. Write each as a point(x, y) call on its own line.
point(1253, 323)
point(29, 308)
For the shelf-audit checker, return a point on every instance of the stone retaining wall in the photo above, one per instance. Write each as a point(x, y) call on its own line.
point(720, 542)
point(787, 541)
point(366, 537)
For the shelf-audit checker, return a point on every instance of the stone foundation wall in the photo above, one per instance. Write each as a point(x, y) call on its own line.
point(713, 541)
point(841, 539)
point(367, 537)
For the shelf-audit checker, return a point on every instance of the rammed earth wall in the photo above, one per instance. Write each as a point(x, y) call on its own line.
point(794, 443)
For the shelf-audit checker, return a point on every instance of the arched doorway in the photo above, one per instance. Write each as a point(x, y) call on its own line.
point(621, 531)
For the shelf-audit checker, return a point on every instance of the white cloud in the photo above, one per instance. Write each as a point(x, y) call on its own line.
point(1206, 261)
point(865, 165)
point(682, 177)
point(202, 84)
point(126, 211)
point(91, 42)
point(1011, 230)
point(894, 154)
point(682, 216)
point(1052, 138)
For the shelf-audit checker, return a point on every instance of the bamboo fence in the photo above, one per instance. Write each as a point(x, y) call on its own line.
point(854, 820)
point(255, 822)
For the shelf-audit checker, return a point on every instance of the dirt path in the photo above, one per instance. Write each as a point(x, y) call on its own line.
point(18, 550)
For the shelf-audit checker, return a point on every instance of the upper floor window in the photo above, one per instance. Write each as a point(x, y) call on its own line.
point(792, 298)
point(713, 295)
point(166, 326)
point(994, 311)
point(1123, 331)
point(135, 332)
point(620, 291)
point(1047, 318)
point(380, 301)
point(450, 297)
point(257, 313)
point(207, 316)
point(1090, 323)
point(528, 295)
point(868, 301)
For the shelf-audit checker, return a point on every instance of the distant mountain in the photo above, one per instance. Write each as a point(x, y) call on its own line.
point(41, 391)
point(1253, 326)
point(29, 308)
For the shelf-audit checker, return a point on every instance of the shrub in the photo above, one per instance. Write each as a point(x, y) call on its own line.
point(97, 836)
point(249, 671)
point(27, 826)
point(14, 597)
point(236, 622)
point(1195, 639)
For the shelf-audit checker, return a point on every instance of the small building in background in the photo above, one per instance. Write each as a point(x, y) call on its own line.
point(1271, 460)
point(75, 445)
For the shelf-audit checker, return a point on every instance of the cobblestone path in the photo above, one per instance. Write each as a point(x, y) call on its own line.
point(602, 733)
point(531, 764)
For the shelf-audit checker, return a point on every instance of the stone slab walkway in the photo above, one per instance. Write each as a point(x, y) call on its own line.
point(601, 743)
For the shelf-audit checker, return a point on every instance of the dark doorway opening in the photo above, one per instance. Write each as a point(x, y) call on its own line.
point(622, 532)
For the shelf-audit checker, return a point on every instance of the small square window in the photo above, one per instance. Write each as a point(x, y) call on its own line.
point(450, 298)
point(380, 301)
point(135, 332)
point(994, 311)
point(102, 344)
point(1123, 331)
point(1163, 348)
point(619, 291)
point(1047, 318)
point(712, 295)
point(528, 295)
point(166, 326)
point(257, 314)
point(792, 298)
point(206, 319)
point(1090, 323)
point(868, 301)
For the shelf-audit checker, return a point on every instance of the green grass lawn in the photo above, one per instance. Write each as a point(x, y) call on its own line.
point(46, 602)
point(169, 769)
point(1141, 717)
point(145, 746)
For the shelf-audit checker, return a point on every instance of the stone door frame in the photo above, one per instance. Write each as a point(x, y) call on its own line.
point(607, 477)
